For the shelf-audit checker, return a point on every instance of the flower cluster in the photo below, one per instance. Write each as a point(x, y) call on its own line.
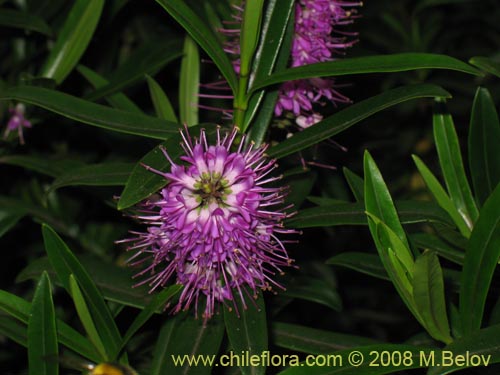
point(314, 42)
point(316, 39)
point(17, 122)
point(213, 227)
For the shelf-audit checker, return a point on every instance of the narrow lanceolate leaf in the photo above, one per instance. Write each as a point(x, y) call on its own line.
point(118, 100)
point(12, 329)
point(20, 309)
point(250, 32)
point(273, 54)
point(450, 159)
point(483, 345)
point(314, 290)
point(314, 341)
point(42, 335)
point(435, 243)
point(106, 174)
point(189, 83)
point(41, 163)
point(441, 196)
point(366, 263)
point(353, 114)
point(161, 102)
point(86, 318)
point(486, 64)
point(484, 138)
point(91, 113)
point(481, 258)
point(8, 221)
point(428, 294)
point(24, 21)
point(356, 184)
point(409, 212)
point(73, 39)
point(246, 328)
point(148, 59)
point(378, 201)
point(203, 35)
point(185, 336)
point(394, 256)
point(116, 283)
point(370, 64)
point(66, 264)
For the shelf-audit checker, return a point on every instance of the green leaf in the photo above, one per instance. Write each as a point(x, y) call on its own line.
point(24, 21)
point(163, 107)
point(185, 336)
point(481, 257)
point(452, 166)
point(116, 283)
point(12, 329)
point(19, 207)
point(105, 174)
point(378, 202)
point(370, 64)
point(250, 32)
point(86, 318)
point(148, 59)
point(142, 182)
point(91, 113)
point(42, 336)
point(428, 294)
point(356, 184)
point(272, 53)
point(203, 35)
point(354, 214)
point(20, 309)
point(366, 263)
point(118, 100)
point(157, 303)
point(338, 361)
point(189, 83)
point(246, 329)
point(8, 221)
point(441, 196)
point(41, 163)
point(488, 65)
point(397, 260)
point(73, 39)
point(314, 341)
point(344, 119)
point(65, 264)
point(314, 290)
point(484, 138)
point(431, 242)
point(484, 344)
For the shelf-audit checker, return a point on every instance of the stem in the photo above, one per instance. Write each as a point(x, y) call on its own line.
point(240, 103)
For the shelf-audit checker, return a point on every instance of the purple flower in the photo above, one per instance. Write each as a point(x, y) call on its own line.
point(316, 40)
point(213, 228)
point(17, 122)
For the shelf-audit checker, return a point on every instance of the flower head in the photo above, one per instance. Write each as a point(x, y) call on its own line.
point(212, 228)
point(315, 40)
point(17, 122)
